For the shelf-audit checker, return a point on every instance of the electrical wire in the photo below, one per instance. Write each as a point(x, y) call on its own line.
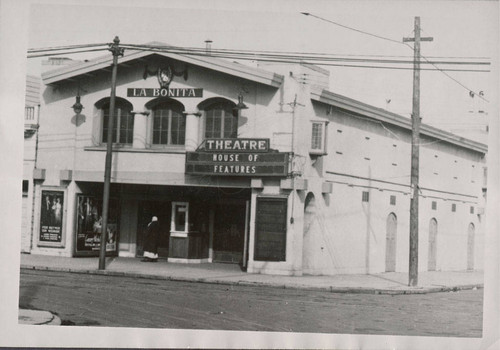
point(251, 52)
point(350, 28)
point(245, 55)
point(65, 53)
point(67, 47)
point(395, 41)
point(279, 57)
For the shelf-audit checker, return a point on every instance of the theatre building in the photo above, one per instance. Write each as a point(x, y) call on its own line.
point(259, 166)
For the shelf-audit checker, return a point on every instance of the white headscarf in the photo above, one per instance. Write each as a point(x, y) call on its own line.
point(153, 219)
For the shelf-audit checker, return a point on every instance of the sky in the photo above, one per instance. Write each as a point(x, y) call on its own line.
point(458, 28)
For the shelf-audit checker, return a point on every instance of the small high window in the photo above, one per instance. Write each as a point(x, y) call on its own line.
point(318, 137)
point(393, 200)
point(365, 196)
point(26, 186)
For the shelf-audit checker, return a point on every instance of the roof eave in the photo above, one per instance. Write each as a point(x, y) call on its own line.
point(383, 115)
point(239, 70)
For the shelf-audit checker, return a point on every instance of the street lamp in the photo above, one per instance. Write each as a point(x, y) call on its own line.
point(116, 51)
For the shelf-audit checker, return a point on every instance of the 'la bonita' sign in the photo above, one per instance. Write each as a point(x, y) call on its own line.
point(163, 92)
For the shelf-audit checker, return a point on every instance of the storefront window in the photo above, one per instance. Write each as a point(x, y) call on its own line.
point(179, 216)
point(89, 225)
point(169, 124)
point(221, 122)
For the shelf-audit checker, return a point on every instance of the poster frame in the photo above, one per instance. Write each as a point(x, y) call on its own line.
point(38, 226)
point(93, 253)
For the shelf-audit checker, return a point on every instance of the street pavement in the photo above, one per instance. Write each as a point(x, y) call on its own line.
point(231, 274)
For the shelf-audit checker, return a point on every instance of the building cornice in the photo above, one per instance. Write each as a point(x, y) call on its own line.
point(101, 63)
point(354, 106)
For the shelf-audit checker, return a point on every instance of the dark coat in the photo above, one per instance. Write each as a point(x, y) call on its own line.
point(152, 237)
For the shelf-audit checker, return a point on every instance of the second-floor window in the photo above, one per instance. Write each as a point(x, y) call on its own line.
point(123, 125)
point(169, 124)
point(318, 137)
point(221, 121)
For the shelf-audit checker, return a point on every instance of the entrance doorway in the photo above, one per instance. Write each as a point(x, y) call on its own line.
point(229, 232)
point(433, 229)
point(390, 243)
point(146, 210)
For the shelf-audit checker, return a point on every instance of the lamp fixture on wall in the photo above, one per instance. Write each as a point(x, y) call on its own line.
point(77, 107)
point(240, 104)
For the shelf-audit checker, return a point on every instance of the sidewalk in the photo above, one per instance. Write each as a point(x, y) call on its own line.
point(382, 283)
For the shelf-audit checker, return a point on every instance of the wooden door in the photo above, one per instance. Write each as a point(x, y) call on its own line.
point(229, 232)
point(390, 243)
point(270, 230)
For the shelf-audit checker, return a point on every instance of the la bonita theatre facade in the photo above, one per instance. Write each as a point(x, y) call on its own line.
point(246, 165)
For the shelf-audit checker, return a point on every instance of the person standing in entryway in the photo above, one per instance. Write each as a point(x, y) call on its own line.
point(151, 241)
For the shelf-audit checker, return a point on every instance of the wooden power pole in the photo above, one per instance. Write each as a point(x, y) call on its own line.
point(116, 51)
point(413, 264)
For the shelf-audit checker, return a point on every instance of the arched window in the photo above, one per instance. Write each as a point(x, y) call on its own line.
point(169, 124)
point(220, 120)
point(123, 124)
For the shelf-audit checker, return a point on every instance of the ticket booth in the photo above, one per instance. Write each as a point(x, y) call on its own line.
point(188, 233)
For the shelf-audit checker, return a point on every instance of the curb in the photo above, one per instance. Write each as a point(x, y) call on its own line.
point(331, 289)
point(38, 318)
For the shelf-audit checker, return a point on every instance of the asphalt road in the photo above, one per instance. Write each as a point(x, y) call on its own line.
point(93, 300)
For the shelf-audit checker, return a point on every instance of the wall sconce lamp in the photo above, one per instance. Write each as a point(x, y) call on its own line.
point(77, 107)
point(240, 104)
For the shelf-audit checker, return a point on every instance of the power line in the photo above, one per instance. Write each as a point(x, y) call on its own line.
point(252, 52)
point(67, 47)
point(350, 28)
point(65, 53)
point(259, 55)
point(395, 41)
point(246, 54)
point(278, 59)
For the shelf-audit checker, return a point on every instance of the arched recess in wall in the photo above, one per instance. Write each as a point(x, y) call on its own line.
point(220, 119)
point(123, 124)
point(471, 232)
point(167, 123)
point(432, 255)
point(390, 242)
point(310, 211)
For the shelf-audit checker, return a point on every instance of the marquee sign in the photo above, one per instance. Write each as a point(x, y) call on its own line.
point(237, 157)
point(235, 145)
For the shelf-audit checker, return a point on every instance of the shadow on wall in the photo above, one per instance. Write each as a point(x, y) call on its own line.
point(78, 119)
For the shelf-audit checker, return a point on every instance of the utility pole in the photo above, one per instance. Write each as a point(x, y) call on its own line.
point(415, 140)
point(116, 51)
